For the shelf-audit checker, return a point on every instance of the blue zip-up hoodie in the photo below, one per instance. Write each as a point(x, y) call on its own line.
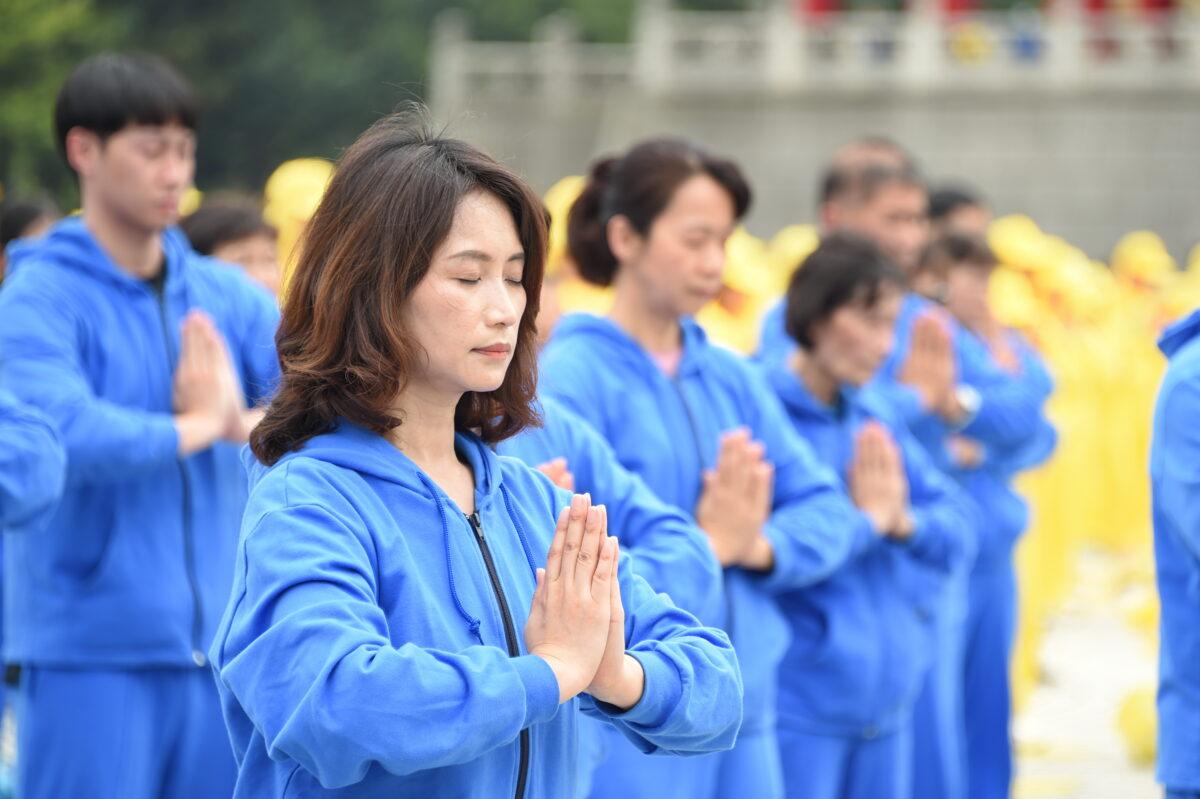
point(134, 567)
point(862, 640)
point(667, 430)
point(666, 547)
point(32, 464)
point(373, 645)
point(1175, 485)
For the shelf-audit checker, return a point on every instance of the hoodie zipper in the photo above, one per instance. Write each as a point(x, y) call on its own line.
point(189, 558)
point(510, 637)
point(677, 384)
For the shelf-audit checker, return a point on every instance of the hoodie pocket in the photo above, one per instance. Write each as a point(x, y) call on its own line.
point(79, 552)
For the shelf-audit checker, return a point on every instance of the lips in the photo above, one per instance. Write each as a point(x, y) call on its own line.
point(495, 349)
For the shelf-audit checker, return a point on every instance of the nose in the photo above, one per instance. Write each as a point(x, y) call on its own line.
point(177, 169)
point(504, 306)
point(884, 343)
point(714, 261)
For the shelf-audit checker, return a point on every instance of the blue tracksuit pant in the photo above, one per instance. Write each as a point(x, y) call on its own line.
point(832, 767)
point(133, 734)
point(939, 728)
point(991, 626)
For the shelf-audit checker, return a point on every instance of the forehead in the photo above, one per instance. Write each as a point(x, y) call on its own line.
point(896, 193)
point(169, 130)
point(700, 195)
point(483, 219)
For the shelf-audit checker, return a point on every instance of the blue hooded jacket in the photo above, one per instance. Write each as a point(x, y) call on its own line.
point(666, 547)
point(134, 566)
point(667, 430)
point(1175, 486)
point(862, 640)
point(1009, 424)
point(373, 645)
point(32, 464)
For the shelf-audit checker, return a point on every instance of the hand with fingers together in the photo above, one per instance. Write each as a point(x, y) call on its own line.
point(202, 394)
point(619, 679)
point(570, 618)
point(878, 485)
point(736, 502)
point(929, 368)
point(558, 473)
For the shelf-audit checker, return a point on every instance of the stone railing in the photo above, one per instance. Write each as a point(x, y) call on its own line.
point(772, 51)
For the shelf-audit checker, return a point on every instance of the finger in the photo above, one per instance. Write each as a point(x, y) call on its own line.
point(872, 457)
point(764, 486)
point(555, 558)
point(574, 537)
point(745, 480)
point(589, 550)
point(725, 452)
point(605, 570)
point(567, 481)
point(538, 587)
point(601, 529)
point(188, 332)
point(617, 608)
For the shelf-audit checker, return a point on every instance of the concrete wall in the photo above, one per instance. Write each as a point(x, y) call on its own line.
point(1088, 168)
point(1089, 149)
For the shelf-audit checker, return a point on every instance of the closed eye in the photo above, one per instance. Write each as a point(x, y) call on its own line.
point(469, 281)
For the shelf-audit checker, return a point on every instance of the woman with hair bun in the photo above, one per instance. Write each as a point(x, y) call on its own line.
point(700, 426)
point(397, 627)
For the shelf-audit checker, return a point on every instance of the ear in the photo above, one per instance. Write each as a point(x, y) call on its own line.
point(83, 150)
point(623, 239)
point(830, 216)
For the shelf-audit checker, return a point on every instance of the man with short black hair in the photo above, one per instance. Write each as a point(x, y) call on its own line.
point(148, 358)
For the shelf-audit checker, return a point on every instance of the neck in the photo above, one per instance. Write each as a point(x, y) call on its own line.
point(654, 330)
point(818, 381)
point(135, 250)
point(426, 435)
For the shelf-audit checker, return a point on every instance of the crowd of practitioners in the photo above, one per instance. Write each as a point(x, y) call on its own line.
point(472, 549)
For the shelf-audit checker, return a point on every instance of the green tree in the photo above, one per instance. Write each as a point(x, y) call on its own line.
point(40, 42)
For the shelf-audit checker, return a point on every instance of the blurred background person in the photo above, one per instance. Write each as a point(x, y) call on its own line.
point(231, 228)
point(149, 360)
point(24, 219)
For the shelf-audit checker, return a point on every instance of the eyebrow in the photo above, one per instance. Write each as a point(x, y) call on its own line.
point(479, 255)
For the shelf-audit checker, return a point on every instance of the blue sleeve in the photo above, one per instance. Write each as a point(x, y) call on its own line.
point(258, 319)
point(1028, 454)
point(668, 550)
point(945, 518)
point(692, 701)
point(310, 602)
point(41, 339)
point(1176, 453)
point(904, 401)
point(1010, 405)
point(814, 529)
point(32, 464)
point(571, 381)
point(774, 343)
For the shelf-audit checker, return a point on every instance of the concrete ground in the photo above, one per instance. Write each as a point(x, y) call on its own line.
point(1069, 745)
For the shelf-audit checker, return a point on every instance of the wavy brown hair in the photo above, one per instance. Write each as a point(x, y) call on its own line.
point(343, 351)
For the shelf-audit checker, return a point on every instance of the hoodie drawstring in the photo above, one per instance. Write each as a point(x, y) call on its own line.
point(516, 520)
point(472, 622)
